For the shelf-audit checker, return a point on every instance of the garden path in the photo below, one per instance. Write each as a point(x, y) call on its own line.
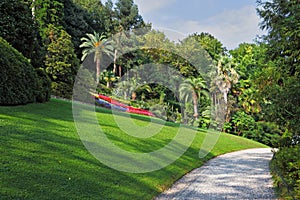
point(239, 175)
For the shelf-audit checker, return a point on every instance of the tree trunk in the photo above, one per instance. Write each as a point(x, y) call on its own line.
point(33, 9)
point(227, 117)
point(120, 71)
point(115, 60)
point(227, 110)
point(133, 96)
point(97, 70)
point(225, 96)
point(195, 101)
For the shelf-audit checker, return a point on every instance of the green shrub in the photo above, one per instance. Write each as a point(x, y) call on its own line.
point(61, 89)
point(242, 123)
point(227, 127)
point(18, 79)
point(102, 89)
point(43, 92)
point(265, 132)
point(285, 167)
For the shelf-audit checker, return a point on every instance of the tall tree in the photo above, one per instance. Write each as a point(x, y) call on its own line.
point(77, 22)
point(249, 60)
point(98, 45)
point(94, 14)
point(18, 28)
point(226, 76)
point(48, 12)
point(282, 95)
point(61, 61)
point(212, 45)
point(127, 15)
point(125, 18)
point(282, 21)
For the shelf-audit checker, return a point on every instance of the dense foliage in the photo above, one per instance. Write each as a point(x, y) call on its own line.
point(19, 29)
point(61, 62)
point(19, 81)
point(281, 88)
point(285, 167)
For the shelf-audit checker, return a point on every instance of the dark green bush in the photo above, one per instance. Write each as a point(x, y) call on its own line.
point(285, 167)
point(265, 132)
point(61, 89)
point(18, 28)
point(43, 92)
point(244, 125)
point(102, 89)
point(18, 79)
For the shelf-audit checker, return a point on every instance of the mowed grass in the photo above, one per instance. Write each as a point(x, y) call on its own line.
point(42, 156)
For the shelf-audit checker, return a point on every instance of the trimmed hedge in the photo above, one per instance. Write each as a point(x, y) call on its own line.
point(19, 81)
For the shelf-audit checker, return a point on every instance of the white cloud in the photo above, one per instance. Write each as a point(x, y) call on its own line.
point(230, 27)
point(147, 6)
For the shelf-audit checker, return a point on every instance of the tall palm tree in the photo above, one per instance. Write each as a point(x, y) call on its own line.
point(192, 89)
point(99, 45)
point(226, 75)
point(225, 78)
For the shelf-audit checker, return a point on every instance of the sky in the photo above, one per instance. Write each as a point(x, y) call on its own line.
point(230, 21)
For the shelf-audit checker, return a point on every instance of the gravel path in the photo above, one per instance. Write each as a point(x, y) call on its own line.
point(238, 175)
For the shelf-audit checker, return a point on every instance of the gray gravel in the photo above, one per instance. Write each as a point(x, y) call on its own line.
point(238, 175)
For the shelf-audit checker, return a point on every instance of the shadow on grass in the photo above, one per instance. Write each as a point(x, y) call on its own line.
point(42, 157)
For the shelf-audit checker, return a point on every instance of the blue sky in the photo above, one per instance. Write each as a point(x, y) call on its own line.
point(230, 21)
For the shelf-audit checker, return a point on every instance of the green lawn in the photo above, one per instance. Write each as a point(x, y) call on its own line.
point(42, 156)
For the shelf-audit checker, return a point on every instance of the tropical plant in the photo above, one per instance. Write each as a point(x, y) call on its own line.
point(108, 77)
point(126, 88)
point(226, 76)
point(192, 89)
point(99, 45)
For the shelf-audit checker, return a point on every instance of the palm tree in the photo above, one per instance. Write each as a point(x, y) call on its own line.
point(117, 42)
point(127, 87)
point(99, 45)
point(226, 75)
point(192, 89)
point(225, 78)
